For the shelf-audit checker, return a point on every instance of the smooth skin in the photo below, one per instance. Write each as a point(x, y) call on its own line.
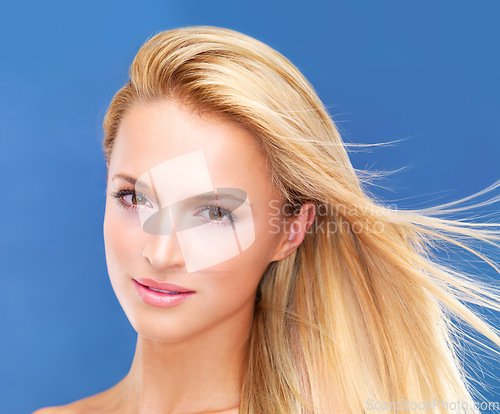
point(189, 359)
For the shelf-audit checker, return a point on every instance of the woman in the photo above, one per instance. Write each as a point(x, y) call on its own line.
point(259, 275)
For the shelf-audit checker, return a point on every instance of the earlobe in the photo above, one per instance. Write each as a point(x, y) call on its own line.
point(297, 230)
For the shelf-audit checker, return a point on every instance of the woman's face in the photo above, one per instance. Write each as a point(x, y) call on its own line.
point(170, 150)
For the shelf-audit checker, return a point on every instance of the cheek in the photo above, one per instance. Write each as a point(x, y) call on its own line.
point(118, 243)
point(247, 268)
point(268, 236)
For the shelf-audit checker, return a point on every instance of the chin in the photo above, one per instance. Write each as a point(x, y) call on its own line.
point(159, 333)
point(162, 325)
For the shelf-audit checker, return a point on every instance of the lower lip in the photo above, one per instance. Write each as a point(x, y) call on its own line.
point(162, 300)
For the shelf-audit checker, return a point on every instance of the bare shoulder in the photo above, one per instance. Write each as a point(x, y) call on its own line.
point(62, 409)
point(93, 404)
point(109, 401)
point(73, 408)
point(46, 410)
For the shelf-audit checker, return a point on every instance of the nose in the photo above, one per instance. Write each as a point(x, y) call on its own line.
point(163, 252)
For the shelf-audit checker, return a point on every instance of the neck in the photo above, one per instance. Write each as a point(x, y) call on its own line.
point(198, 375)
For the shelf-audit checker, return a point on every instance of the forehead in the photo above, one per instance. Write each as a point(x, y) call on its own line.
point(150, 134)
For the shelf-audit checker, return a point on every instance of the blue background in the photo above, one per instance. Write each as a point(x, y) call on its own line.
point(425, 71)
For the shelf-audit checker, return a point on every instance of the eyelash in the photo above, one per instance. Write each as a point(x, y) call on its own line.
point(225, 213)
point(118, 196)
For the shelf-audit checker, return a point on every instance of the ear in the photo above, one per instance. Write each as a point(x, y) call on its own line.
point(294, 235)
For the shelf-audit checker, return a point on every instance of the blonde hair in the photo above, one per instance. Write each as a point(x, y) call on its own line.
point(361, 312)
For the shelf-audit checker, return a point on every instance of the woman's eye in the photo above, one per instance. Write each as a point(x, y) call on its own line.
point(131, 199)
point(215, 214)
point(136, 199)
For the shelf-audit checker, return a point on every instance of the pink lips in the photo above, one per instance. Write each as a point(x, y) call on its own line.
point(171, 294)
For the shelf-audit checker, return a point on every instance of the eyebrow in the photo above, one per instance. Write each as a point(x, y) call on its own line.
point(129, 179)
point(125, 177)
point(208, 197)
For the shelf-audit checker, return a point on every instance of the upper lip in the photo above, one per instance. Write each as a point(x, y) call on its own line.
point(162, 285)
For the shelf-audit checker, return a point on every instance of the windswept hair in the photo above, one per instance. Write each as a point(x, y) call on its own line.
point(364, 310)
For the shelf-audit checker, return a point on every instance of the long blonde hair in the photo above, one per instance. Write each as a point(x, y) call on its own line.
point(363, 313)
